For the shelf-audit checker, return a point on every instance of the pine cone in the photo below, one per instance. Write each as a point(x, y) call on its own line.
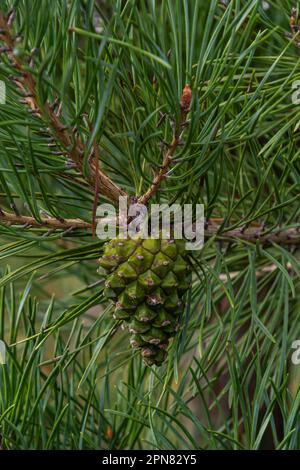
point(147, 280)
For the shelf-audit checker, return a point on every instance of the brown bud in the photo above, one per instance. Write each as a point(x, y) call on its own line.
point(293, 18)
point(185, 100)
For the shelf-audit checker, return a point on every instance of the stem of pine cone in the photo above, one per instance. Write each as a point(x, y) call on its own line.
point(159, 176)
point(26, 83)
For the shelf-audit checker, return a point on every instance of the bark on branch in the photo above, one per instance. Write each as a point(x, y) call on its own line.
point(48, 222)
point(252, 234)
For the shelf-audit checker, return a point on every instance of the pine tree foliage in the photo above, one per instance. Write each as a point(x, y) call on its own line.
point(93, 92)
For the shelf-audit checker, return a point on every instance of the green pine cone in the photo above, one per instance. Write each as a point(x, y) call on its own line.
point(147, 280)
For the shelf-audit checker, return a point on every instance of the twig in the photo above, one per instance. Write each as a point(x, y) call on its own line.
point(251, 234)
point(255, 234)
point(50, 222)
point(26, 83)
point(185, 106)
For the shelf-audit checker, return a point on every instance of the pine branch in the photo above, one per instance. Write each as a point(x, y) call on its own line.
point(177, 130)
point(50, 222)
point(26, 83)
point(252, 234)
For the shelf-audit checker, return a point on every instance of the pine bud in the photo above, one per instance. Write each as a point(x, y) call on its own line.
point(186, 98)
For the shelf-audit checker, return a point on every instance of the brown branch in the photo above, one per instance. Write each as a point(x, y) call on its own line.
point(160, 175)
point(185, 106)
point(251, 234)
point(26, 83)
point(49, 222)
point(254, 234)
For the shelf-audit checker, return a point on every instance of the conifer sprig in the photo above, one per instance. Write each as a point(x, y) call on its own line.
point(66, 138)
